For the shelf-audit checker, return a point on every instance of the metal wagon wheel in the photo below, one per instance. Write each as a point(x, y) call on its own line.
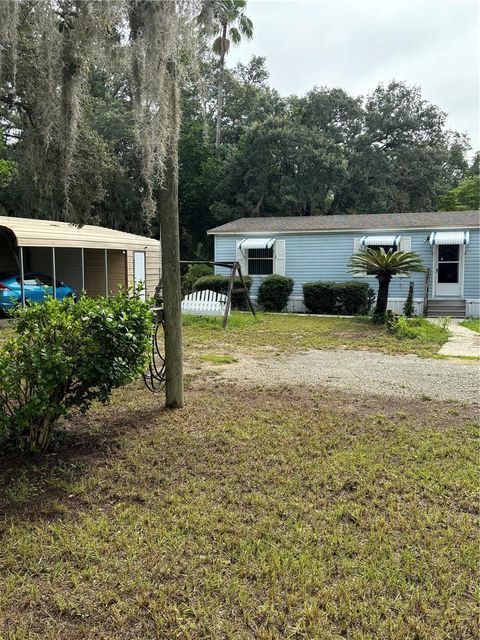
point(154, 377)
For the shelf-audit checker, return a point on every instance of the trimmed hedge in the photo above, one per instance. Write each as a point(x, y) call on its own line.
point(344, 298)
point(274, 292)
point(193, 273)
point(220, 285)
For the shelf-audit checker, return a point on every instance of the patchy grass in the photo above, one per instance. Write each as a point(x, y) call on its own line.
point(281, 514)
point(473, 324)
point(214, 359)
point(288, 332)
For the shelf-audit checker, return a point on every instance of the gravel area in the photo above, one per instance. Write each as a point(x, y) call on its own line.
point(363, 372)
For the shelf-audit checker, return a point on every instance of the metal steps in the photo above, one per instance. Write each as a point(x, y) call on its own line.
point(453, 308)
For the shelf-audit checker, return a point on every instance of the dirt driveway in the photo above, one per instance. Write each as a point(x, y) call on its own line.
point(362, 372)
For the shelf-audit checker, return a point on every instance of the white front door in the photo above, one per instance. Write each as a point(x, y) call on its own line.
point(139, 270)
point(449, 270)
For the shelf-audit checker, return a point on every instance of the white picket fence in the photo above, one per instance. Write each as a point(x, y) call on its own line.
point(204, 303)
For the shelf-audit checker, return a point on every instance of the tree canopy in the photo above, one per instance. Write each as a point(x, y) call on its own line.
point(79, 141)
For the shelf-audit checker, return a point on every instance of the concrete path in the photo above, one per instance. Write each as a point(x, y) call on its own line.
point(462, 342)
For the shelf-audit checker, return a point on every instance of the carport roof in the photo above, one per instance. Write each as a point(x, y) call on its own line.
point(30, 232)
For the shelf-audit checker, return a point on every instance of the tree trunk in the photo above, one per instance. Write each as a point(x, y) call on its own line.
point(382, 296)
point(170, 243)
point(220, 91)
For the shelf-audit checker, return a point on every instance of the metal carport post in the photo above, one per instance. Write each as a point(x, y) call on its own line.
point(22, 277)
point(54, 274)
point(106, 273)
point(83, 270)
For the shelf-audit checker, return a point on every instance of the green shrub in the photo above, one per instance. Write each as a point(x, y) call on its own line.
point(274, 292)
point(409, 307)
point(415, 328)
point(319, 297)
point(220, 285)
point(391, 320)
point(193, 273)
point(353, 298)
point(344, 298)
point(64, 356)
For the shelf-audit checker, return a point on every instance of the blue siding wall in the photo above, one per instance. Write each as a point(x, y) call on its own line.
point(471, 283)
point(324, 256)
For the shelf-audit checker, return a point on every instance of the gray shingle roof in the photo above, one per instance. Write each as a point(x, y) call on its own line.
point(371, 222)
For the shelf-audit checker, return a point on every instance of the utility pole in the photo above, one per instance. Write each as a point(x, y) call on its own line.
point(170, 246)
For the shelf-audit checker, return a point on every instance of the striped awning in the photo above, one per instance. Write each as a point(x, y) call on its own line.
point(449, 237)
point(256, 243)
point(380, 241)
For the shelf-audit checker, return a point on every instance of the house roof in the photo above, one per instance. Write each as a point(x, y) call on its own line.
point(355, 222)
point(30, 232)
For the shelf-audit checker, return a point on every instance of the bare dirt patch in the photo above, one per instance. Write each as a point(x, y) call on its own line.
point(362, 372)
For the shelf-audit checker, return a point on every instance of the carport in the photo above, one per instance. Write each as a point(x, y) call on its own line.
point(88, 258)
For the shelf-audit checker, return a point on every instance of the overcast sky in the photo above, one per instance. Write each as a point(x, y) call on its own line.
point(355, 44)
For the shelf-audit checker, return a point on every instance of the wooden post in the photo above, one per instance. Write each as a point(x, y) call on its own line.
point(170, 243)
point(229, 293)
point(247, 292)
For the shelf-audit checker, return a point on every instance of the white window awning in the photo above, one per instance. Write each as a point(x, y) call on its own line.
point(449, 237)
point(380, 241)
point(256, 243)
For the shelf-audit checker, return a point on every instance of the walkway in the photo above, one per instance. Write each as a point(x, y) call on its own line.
point(462, 342)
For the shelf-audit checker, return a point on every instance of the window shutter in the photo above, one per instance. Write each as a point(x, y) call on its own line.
point(357, 247)
point(240, 258)
point(405, 245)
point(279, 260)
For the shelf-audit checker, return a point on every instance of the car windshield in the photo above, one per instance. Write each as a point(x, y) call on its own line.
point(29, 280)
point(38, 279)
point(46, 281)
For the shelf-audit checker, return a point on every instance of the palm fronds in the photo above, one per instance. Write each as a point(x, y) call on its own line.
point(378, 262)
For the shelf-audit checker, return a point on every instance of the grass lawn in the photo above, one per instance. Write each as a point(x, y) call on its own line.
point(472, 323)
point(284, 514)
point(250, 514)
point(289, 332)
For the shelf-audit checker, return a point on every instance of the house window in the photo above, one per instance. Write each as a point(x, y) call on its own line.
point(260, 262)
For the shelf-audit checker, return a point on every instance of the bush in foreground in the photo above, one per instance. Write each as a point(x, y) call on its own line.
point(274, 292)
point(63, 357)
point(344, 298)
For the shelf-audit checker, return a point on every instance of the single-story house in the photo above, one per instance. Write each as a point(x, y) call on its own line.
point(319, 247)
point(89, 258)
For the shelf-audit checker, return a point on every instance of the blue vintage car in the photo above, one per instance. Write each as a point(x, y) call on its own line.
point(37, 287)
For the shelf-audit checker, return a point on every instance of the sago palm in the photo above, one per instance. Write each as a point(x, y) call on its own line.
point(227, 19)
point(384, 265)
